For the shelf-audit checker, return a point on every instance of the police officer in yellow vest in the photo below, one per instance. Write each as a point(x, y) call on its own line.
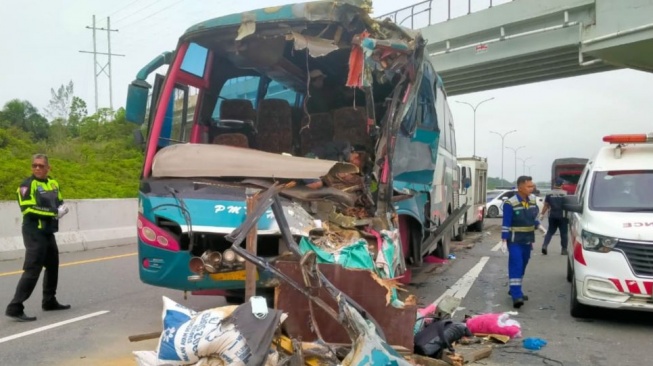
point(520, 221)
point(40, 202)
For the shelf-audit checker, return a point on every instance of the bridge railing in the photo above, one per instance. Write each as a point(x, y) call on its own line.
point(430, 12)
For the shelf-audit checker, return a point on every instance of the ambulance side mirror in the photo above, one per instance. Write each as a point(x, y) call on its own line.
point(572, 204)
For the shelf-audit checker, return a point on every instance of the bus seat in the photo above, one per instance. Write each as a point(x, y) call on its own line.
point(319, 130)
point(232, 139)
point(274, 125)
point(238, 109)
point(350, 124)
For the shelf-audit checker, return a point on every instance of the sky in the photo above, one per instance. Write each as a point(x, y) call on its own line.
point(561, 118)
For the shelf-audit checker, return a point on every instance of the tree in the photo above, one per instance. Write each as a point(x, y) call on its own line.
point(77, 114)
point(22, 114)
point(62, 99)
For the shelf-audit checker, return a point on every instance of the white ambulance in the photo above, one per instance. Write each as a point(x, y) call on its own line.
point(611, 222)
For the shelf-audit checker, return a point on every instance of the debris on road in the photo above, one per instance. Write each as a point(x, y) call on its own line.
point(494, 323)
point(534, 343)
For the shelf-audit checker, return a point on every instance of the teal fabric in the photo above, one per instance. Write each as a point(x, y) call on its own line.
point(353, 256)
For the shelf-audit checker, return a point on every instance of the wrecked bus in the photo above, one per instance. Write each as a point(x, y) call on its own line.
point(246, 99)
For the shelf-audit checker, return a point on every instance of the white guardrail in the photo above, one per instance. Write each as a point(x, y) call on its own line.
point(90, 224)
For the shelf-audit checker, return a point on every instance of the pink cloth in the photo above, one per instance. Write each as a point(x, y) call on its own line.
point(494, 324)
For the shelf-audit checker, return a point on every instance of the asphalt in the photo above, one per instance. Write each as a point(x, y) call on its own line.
point(103, 286)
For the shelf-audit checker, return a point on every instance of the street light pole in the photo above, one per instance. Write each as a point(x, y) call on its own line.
point(503, 136)
point(529, 169)
point(515, 151)
point(474, 108)
point(524, 163)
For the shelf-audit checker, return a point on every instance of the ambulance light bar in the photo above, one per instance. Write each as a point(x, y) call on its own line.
point(628, 139)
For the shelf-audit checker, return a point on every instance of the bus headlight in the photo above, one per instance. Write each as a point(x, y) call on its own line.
point(229, 255)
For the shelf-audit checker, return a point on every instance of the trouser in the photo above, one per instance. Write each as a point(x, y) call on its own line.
point(555, 224)
point(40, 251)
point(518, 256)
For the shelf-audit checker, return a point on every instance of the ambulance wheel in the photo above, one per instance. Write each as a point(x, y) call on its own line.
point(570, 271)
point(576, 309)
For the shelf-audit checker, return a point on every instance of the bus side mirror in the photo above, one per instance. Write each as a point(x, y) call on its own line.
point(571, 204)
point(137, 95)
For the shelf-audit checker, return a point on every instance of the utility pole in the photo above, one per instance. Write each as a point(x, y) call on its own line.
point(106, 69)
point(503, 136)
point(515, 151)
point(474, 109)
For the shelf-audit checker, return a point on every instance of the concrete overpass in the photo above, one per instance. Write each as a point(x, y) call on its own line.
point(526, 41)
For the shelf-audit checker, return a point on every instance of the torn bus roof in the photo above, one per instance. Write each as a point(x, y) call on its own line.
point(310, 12)
point(320, 26)
point(200, 160)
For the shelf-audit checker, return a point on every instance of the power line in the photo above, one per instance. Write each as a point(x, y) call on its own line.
point(124, 7)
point(107, 65)
point(138, 11)
point(153, 14)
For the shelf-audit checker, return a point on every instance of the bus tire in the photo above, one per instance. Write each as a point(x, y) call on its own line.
point(460, 235)
point(444, 246)
point(478, 225)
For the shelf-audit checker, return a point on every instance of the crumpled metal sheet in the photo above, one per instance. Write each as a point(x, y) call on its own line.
point(368, 348)
point(247, 25)
point(396, 323)
point(316, 46)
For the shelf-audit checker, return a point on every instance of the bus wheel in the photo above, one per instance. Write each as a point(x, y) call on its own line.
point(444, 245)
point(460, 235)
point(478, 225)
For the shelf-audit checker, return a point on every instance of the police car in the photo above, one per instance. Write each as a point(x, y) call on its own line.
point(497, 197)
point(611, 264)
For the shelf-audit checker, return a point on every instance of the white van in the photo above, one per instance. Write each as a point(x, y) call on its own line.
point(611, 264)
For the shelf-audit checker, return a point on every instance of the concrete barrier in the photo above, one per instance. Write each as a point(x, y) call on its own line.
point(90, 224)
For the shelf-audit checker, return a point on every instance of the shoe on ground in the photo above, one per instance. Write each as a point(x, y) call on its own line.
point(517, 303)
point(525, 297)
point(21, 317)
point(545, 251)
point(564, 252)
point(55, 306)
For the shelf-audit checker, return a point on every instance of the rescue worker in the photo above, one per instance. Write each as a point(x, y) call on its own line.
point(520, 221)
point(42, 206)
point(557, 217)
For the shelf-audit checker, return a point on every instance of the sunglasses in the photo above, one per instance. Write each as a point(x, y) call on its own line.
point(40, 166)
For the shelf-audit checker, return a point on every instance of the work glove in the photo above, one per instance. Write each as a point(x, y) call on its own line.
point(62, 210)
point(504, 246)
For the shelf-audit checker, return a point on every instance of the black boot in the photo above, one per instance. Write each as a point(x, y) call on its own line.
point(517, 303)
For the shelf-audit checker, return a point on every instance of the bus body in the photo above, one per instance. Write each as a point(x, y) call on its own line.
point(232, 116)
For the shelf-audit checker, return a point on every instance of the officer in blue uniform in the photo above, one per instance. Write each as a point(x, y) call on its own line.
point(520, 221)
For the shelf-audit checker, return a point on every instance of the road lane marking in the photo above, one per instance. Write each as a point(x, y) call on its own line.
point(78, 262)
point(51, 326)
point(497, 247)
point(464, 284)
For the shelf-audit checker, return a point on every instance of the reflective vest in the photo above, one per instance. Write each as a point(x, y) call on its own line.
point(38, 200)
point(524, 216)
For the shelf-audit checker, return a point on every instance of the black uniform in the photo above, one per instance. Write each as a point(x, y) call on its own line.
point(39, 200)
